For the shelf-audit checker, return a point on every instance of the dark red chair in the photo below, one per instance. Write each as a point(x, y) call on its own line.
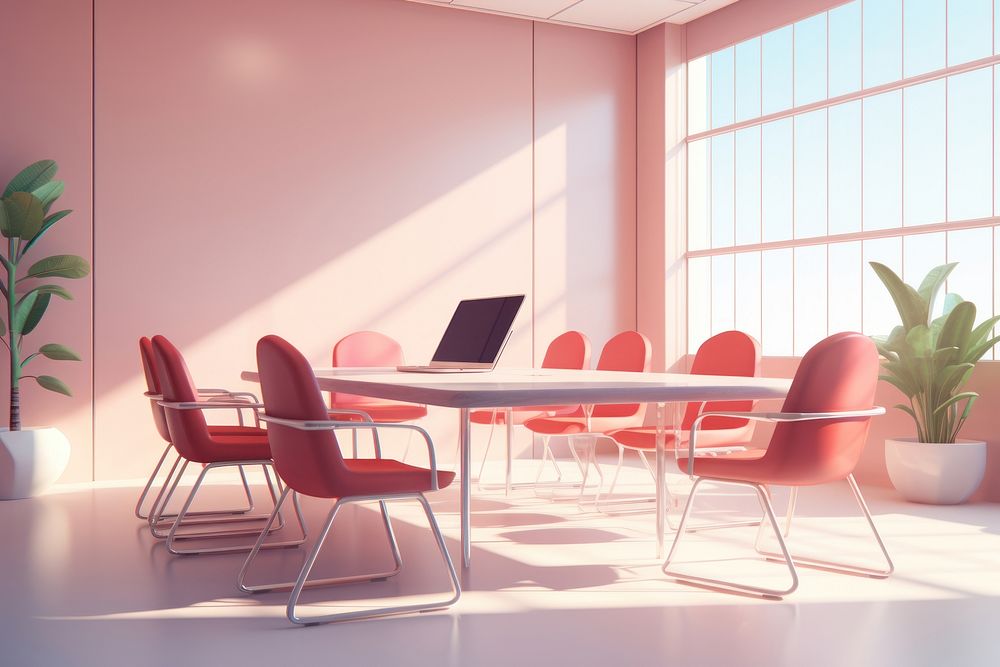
point(195, 442)
point(308, 458)
point(160, 422)
point(819, 436)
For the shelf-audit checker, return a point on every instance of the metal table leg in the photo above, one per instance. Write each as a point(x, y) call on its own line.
point(464, 440)
point(508, 417)
point(661, 478)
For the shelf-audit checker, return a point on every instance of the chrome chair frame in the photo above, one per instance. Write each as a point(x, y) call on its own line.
point(302, 582)
point(764, 497)
point(211, 394)
point(157, 517)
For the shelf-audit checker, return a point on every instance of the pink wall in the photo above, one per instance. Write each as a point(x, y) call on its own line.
point(46, 79)
point(352, 164)
point(585, 187)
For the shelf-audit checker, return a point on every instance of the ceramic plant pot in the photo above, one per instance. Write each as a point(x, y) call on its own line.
point(31, 460)
point(938, 474)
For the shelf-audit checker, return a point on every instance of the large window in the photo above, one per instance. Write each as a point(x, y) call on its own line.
point(863, 133)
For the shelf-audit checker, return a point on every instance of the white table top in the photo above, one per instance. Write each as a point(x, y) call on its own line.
point(516, 387)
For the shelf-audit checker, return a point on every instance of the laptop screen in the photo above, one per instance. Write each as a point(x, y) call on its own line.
point(478, 329)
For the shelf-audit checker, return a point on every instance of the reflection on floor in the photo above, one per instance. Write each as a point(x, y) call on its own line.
point(83, 583)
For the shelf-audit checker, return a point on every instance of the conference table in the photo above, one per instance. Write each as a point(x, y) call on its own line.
point(508, 388)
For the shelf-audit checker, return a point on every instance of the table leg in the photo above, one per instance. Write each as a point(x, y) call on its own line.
point(464, 432)
point(508, 416)
point(661, 477)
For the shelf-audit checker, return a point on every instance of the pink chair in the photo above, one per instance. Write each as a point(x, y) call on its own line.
point(160, 422)
point(627, 351)
point(570, 350)
point(308, 458)
point(728, 353)
point(196, 442)
point(369, 348)
point(819, 437)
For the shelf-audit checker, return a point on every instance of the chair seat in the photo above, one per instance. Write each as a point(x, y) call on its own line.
point(644, 437)
point(574, 425)
point(750, 465)
point(390, 412)
point(386, 476)
point(239, 447)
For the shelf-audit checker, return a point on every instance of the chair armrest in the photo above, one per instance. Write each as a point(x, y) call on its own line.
point(345, 411)
point(210, 405)
point(330, 425)
point(778, 417)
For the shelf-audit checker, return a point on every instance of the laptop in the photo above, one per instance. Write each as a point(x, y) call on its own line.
point(475, 337)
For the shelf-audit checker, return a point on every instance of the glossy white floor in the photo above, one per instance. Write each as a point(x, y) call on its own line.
point(83, 583)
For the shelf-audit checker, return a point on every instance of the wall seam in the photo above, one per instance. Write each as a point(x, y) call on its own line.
point(93, 240)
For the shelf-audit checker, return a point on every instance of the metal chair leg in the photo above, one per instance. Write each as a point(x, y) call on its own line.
point(837, 566)
point(730, 586)
point(547, 453)
point(173, 537)
point(614, 479)
point(149, 483)
point(486, 452)
point(301, 582)
point(288, 585)
point(158, 518)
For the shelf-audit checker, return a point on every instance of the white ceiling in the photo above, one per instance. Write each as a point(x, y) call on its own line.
point(628, 16)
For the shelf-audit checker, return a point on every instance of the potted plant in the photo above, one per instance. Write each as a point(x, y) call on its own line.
point(31, 459)
point(930, 360)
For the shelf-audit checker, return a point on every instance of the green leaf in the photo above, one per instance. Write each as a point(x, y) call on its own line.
point(920, 341)
point(932, 283)
point(958, 326)
point(32, 177)
point(53, 384)
point(49, 193)
point(23, 216)
point(34, 315)
point(21, 311)
point(46, 226)
point(955, 399)
point(58, 352)
point(57, 290)
point(950, 301)
point(913, 309)
point(60, 266)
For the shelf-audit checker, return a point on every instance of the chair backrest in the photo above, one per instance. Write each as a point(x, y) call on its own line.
point(188, 428)
point(728, 353)
point(153, 387)
point(839, 373)
point(364, 348)
point(568, 350)
point(308, 461)
point(627, 351)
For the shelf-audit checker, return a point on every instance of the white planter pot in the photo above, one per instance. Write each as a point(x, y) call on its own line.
point(934, 473)
point(31, 460)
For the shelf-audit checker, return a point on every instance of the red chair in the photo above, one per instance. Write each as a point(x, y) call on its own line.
point(626, 351)
point(160, 421)
point(570, 350)
point(308, 458)
point(196, 442)
point(819, 437)
point(369, 348)
point(728, 353)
